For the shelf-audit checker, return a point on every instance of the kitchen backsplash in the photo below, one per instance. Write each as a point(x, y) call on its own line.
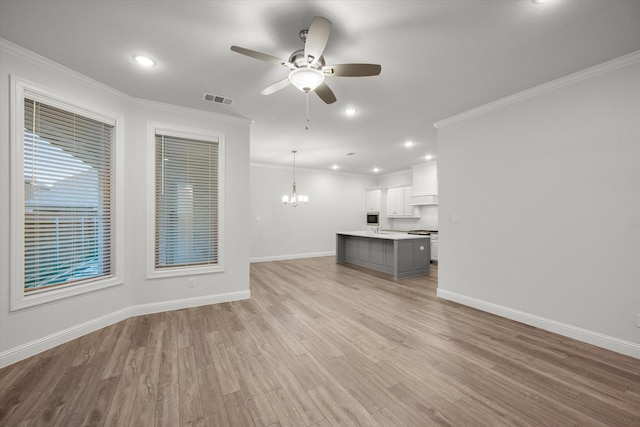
point(428, 220)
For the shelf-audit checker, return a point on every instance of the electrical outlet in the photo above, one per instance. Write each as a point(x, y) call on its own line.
point(192, 283)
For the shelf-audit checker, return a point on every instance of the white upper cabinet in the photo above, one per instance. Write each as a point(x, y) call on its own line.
point(399, 202)
point(425, 179)
point(394, 201)
point(373, 200)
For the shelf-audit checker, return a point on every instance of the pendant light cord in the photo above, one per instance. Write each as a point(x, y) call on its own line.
point(294, 167)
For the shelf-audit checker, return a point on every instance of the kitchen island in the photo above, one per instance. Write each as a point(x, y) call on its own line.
point(401, 254)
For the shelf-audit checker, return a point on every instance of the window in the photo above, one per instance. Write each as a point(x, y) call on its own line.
point(64, 199)
point(187, 205)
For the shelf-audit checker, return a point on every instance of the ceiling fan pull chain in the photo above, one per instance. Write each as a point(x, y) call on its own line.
point(307, 101)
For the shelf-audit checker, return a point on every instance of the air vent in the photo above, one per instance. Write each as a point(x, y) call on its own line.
point(217, 99)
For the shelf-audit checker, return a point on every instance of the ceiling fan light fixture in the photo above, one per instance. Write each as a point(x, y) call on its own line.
point(306, 79)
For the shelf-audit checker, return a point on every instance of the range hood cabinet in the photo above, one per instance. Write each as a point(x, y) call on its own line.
point(425, 184)
point(423, 199)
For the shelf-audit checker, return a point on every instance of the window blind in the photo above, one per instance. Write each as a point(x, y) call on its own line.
point(186, 194)
point(68, 176)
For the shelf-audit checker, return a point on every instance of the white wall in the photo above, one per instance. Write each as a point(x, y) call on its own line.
point(545, 186)
point(396, 179)
point(27, 331)
point(278, 231)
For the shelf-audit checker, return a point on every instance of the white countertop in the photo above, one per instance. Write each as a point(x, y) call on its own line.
point(387, 235)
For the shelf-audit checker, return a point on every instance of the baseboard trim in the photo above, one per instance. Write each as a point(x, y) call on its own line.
point(159, 307)
point(601, 340)
point(291, 256)
point(32, 348)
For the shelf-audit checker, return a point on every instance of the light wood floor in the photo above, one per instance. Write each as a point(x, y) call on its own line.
point(322, 344)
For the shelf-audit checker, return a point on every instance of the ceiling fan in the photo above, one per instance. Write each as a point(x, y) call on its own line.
point(308, 68)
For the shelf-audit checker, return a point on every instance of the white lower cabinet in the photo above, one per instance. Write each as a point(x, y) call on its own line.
point(434, 248)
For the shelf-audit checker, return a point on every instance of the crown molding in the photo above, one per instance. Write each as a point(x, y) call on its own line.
point(327, 170)
point(597, 70)
point(41, 61)
point(172, 108)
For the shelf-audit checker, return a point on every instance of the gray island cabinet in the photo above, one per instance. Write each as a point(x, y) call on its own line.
point(401, 254)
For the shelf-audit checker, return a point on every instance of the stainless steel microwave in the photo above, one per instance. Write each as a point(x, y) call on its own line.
point(373, 218)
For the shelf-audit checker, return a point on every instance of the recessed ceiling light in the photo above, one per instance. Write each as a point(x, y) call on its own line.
point(428, 157)
point(376, 170)
point(145, 61)
point(334, 167)
point(408, 144)
point(350, 111)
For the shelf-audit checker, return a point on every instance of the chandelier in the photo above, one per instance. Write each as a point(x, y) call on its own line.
point(295, 197)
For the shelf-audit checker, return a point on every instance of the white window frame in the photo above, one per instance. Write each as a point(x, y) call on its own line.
point(154, 128)
point(19, 299)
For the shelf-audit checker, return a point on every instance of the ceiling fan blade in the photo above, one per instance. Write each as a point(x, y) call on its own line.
point(262, 56)
point(275, 87)
point(352, 70)
point(317, 38)
point(325, 93)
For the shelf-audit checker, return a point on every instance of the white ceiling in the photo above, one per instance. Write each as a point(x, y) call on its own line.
point(438, 57)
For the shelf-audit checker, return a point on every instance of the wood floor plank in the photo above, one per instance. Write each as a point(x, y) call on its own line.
point(284, 410)
point(168, 406)
point(169, 351)
point(184, 331)
point(308, 411)
point(144, 406)
point(83, 391)
point(225, 372)
point(261, 411)
point(323, 344)
point(190, 402)
point(52, 407)
point(14, 396)
point(120, 350)
point(386, 418)
point(44, 383)
point(343, 394)
point(95, 412)
point(334, 414)
point(107, 341)
point(197, 323)
point(124, 396)
point(210, 393)
point(153, 346)
point(237, 410)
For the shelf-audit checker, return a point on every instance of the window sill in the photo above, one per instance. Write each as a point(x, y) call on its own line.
point(46, 296)
point(183, 271)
